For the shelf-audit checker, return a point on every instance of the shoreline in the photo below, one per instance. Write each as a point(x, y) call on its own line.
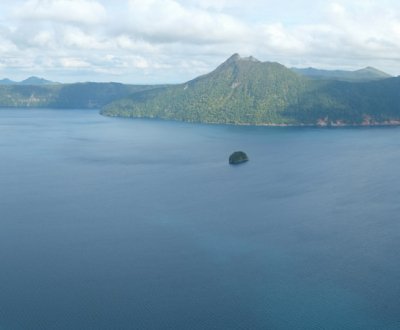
point(320, 124)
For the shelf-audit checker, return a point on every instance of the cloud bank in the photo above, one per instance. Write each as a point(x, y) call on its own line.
point(158, 41)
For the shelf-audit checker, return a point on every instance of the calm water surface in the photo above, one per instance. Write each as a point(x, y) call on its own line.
point(131, 224)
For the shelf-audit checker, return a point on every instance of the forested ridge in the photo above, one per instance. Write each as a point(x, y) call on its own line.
point(239, 91)
point(247, 91)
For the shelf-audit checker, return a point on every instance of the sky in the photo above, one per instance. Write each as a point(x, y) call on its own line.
point(171, 41)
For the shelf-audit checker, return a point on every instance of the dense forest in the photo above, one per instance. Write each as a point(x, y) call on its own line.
point(366, 74)
point(66, 96)
point(239, 91)
point(247, 91)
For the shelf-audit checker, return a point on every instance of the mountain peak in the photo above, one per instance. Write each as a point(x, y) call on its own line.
point(6, 81)
point(236, 57)
point(375, 71)
point(250, 59)
point(29, 81)
point(35, 81)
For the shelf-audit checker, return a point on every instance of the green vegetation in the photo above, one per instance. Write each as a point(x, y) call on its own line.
point(238, 157)
point(68, 96)
point(29, 81)
point(366, 74)
point(93, 95)
point(28, 96)
point(247, 91)
point(239, 91)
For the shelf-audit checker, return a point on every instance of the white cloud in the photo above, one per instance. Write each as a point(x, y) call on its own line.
point(44, 39)
point(170, 21)
point(70, 11)
point(75, 38)
point(70, 62)
point(279, 39)
point(125, 42)
point(174, 40)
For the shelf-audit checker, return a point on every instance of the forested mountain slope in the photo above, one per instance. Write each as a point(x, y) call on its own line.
point(247, 91)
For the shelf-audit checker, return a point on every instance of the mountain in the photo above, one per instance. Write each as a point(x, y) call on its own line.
point(66, 96)
point(241, 90)
point(37, 81)
point(366, 74)
point(29, 81)
point(94, 95)
point(247, 91)
point(7, 81)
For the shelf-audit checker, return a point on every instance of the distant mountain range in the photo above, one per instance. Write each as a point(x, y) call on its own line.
point(366, 74)
point(239, 91)
point(29, 81)
point(66, 96)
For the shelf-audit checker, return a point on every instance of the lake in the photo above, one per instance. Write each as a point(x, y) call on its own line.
point(110, 223)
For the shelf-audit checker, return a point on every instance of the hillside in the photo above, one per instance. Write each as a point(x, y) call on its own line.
point(67, 96)
point(6, 81)
point(247, 91)
point(36, 81)
point(29, 81)
point(366, 74)
point(241, 90)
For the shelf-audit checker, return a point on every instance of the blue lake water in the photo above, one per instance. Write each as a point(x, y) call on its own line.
point(136, 224)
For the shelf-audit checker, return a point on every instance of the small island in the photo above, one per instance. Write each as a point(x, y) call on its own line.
point(238, 157)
